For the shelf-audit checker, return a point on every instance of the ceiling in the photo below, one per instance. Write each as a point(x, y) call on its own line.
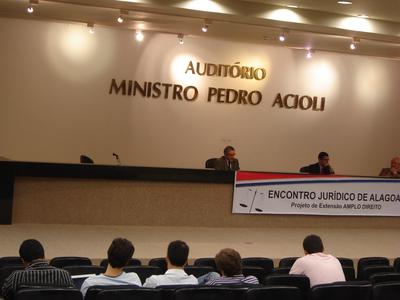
point(317, 24)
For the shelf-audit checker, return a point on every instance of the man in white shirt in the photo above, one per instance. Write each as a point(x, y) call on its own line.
point(118, 254)
point(321, 268)
point(177, 255)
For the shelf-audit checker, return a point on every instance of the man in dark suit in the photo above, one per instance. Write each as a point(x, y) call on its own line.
point(228, 162)
point(321, 167)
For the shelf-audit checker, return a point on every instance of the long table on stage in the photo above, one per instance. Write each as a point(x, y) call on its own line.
point(57, 193)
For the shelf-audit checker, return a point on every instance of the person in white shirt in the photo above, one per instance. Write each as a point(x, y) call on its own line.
point(321, 268)
point(118, 254)
point(177, 255)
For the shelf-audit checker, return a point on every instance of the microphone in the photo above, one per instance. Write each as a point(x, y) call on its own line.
point(116, 157)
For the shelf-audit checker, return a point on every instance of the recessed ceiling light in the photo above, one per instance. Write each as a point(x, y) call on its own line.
point(292, 6)
point(345, 2)
point(363, 16)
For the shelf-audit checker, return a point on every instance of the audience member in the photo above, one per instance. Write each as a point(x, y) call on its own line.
point(228, 162)
point(118, 254)
point(37, 273)
point(177, 256)
point(319, 267)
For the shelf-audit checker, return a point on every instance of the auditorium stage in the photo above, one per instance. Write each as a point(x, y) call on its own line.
point(149, 242)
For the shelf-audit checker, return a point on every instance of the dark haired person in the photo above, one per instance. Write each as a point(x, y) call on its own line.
point(177, 256)
point(321, 167)
point(37, 272)
point(228, 162)
point(321, 268)
point(118, 254)
point(229, 264)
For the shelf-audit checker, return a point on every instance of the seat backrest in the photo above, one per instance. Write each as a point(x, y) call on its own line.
point(367, 272)
point(81, 270)
point(257, 272)
point(206, 261)
point(384, 277)
point(160, 262)
point(10, 260)
point(274, 292)
point(370, 261)
point(346, 262)
point(281, 271)
point(349, 273)
point(386, 291)
point(198, 271)
point(131, 262)
point(64, 261)
point(210, 163)
point(7, 270)
point(342, 291)
point(129, 294)
point(48, 294)
point(143, 272)
point(300, 281)
point(210, 293)
point(266, 263)
point(84, 159)
point(93, 291)
point(396, 264)
point(287, 262)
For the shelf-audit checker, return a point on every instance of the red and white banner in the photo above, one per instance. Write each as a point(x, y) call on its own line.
point(277, 193)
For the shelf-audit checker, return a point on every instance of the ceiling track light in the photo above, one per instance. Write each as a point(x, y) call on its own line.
point(354, 43)
point(283, 35)
point(206, 25)
point(31, 8)
point(310, 53)
point(122, 16)
point(90, 27)
point(139, 36)
point(180, 39)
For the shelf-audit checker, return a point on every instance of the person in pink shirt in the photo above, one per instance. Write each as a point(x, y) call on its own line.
point(319, 267)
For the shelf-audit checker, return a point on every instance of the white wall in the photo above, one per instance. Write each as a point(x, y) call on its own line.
point(54, 105)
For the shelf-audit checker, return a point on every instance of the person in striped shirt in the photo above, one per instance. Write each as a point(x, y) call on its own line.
point(37, 273)
point(229, 264)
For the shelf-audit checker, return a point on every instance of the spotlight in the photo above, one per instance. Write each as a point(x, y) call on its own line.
point(345, 2)
point(122, 15)
point(205, 26)
point(180, 38)
point(139, 36)
point(90, 27)
point(31, 8)
point(354, 43)
point(282, 37)
point(309, 53)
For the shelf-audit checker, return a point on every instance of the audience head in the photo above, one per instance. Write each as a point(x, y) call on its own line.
point(313, 244)
point(31, 250)
point(119, 253)
point(177, 253)
point(229, 152)
point(323, 159)
point(395, 162)
point(229, 262)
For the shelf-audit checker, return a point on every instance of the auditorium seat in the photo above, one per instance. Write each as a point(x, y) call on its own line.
point(64, 261)
point(82, 270)
point(370, 261)
point(349, 273)
point(206, 261)
point(7, 270)
point(48, 294)
point(159, 262)
point(287, 262)
point(368, 271)
point(266, 263)
point(257, 272)
point(384, 278)
point(386, 291)
point(10, 260)
point(129, 294)
point(300, 281)
point(131, 262)
point(396, 264)
point(210, 293)
point(93, 291)
point(342, 291)
point(210, 163)
point(281, 271)
point(274, 293)
point(143, 272)
point(346, 262)
point(198, 271)
point(168, 291)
